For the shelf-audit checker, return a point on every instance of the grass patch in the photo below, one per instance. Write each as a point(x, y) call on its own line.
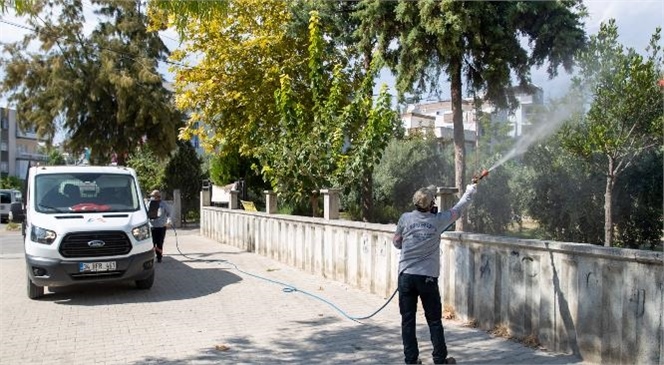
point(528, 229)
point(13, 226)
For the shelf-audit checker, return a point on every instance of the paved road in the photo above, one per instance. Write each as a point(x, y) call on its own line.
point(207, 312)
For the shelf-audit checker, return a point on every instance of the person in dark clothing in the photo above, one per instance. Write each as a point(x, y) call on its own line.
point(160, 220)
point(418, 237)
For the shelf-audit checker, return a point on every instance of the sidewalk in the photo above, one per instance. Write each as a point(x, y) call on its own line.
point(203, 311)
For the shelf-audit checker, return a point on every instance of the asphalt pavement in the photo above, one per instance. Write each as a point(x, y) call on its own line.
point(203, 310)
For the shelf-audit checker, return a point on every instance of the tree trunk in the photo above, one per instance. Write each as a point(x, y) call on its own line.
point(459, 135)
point(367, 196)
point(366, 188)
point(608, 205)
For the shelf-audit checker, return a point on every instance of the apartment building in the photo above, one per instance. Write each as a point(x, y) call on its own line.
point(437, 116)
point(18, 147)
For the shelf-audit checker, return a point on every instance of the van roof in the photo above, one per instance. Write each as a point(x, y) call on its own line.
point(86, 169)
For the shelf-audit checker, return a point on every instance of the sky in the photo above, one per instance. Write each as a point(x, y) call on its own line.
point(636, 20)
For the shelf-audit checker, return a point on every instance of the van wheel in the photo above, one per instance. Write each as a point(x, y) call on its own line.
point(146, 283)
point(34, 291)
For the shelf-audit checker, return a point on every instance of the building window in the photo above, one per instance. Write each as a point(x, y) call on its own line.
point(3, 146)
point(5, 123)
point(4, 167)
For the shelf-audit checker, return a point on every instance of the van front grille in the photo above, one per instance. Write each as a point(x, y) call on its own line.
point(89, 244)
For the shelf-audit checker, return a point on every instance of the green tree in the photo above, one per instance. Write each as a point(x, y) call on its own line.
point(11, 182)
point(19, 6)
point(624, 118)
point(229, 168)
point(336, 143)
point(566, 192)
point(480, 40)
point(306, 154)
point(407, 165)
point(639, 202)
point(341, 25)
point(183, 172)
point(491, 211)
point(55, 158)
point(150, 169)
point(105, 86)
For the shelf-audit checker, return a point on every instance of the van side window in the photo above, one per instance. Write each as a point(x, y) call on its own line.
point(5, 198)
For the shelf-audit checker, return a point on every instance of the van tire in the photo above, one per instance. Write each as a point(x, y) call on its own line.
point(34, 291)
point(145, 283)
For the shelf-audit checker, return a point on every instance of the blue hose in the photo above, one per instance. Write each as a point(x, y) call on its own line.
point(287, 288)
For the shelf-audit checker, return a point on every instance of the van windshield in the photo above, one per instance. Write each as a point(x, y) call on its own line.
point(85, 192)
point(5, 197)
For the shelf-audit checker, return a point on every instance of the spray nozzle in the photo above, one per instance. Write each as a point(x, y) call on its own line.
point(479, 177)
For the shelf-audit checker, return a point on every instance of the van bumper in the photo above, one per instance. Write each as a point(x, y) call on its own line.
point(55, 272)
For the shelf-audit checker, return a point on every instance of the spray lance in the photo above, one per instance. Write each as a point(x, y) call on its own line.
point(482, 174)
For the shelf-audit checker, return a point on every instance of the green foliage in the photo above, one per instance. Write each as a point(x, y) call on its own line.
point(625, 114)
point(479, 41)
point(231, 167)
point(502, 197)
point(304, 156)
point(624, 118)
point(491, 211)
point(639, 215)
point(18, 6)
point(104, 87)
point(11, 182)
point(149, 168)
point(405, 166)
point(567, 194)
point(55, 158)
point(431, 36)
point(183, 172)
point(332, 142)
point(226, 169)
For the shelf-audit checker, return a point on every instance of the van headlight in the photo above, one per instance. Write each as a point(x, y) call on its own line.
point(141, 233)
point(42, 235)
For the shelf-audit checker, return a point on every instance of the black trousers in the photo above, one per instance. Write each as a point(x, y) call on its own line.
point(412, 287)
point(158, 235)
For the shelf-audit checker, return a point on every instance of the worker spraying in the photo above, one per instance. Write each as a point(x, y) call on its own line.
point(418, 237)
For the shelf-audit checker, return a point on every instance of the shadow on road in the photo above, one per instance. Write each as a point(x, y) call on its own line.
point(174, 280)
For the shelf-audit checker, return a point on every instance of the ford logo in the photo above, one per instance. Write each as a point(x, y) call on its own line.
point(96, 243)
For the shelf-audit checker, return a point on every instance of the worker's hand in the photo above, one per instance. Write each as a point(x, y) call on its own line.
point(168, 224)
point(471, 189)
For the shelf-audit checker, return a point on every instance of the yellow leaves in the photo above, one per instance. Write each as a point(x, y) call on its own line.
point(232, 86)
point(185, 134)
point(178, 55)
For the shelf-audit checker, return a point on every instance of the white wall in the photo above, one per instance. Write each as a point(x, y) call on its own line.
point(604, 304)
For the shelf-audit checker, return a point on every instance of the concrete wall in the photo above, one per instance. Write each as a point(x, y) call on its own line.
point(601, 303)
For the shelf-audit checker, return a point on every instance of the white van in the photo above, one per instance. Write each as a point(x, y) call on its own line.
point(7, 198)
point(86, 224)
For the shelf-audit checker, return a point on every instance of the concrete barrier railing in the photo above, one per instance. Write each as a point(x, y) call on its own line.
point(603, 304)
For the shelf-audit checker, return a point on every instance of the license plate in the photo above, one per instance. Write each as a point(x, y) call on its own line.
point(96, 266)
